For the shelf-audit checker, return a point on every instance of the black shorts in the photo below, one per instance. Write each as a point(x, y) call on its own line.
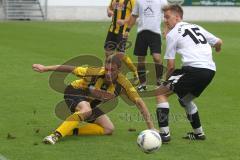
point(115, 42)
point(190, 80)
point(147, 39)
point(73, 97)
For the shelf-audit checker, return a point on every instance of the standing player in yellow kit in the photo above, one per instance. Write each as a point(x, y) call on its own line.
point(120, 11)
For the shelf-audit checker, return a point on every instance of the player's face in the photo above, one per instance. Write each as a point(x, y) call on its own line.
point(171, 19)
point(111, 72)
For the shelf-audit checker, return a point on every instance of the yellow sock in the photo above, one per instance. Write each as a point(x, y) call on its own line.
point(130, 64)
point(69, 124)
point(88, 129)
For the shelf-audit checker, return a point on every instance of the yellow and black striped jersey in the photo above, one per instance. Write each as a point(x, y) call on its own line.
point(91, 76)
point(122, 9)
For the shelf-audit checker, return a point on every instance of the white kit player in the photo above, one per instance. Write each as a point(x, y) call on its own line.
point(193, 44)
point(149, 15)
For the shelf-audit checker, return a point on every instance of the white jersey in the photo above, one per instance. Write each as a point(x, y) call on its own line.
point(193, 43)
point(150, 14)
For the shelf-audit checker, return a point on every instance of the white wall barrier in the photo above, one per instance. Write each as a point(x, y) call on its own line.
point(98, 13)
point(95, 10)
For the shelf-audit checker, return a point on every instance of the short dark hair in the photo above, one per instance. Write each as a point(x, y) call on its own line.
point(174, 8)
point(114, 59)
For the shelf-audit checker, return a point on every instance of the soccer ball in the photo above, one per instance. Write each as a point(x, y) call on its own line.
point(149, 141)
point(179, 2)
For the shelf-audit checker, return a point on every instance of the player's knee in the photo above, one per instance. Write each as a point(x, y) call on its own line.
point(108, 53)
point(84, 108)
point(189, 106)
point(181, 102)
point(157, 60)
point(161, 98)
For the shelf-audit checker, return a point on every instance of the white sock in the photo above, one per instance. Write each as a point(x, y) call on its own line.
point(198, 130)
point(163, 105)
point(164, 130)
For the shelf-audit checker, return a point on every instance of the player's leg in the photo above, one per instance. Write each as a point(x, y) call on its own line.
point(183, 83)
point(98, 124)
point(80, 108)
point(158, 67)
point(127, 60)
point(142, 73)
point(110, 44)
point(105, 122)
point(101, 126)
point(83, 111)
point(193, 117)
point(162, 112)
point(140, 50)
point(155, 48)
point(121, 51)
point(195, 79)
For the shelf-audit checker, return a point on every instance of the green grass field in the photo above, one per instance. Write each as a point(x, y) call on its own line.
point(28, 103)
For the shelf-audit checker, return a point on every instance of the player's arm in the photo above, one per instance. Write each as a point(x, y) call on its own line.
point(88, 71)
point(170, 67)
point(171, 49)
point(136, 99)
point(110, 12)
point(214, 41)
point(132, 19)
point(60, 68)
point(122, 22)
point(164, 3)
point(101, 94)
point(145, 113)
point(218, 45)
point(130, 23)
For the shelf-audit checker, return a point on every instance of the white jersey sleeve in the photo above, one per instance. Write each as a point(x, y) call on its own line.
point(135, 11)
point(211, 39)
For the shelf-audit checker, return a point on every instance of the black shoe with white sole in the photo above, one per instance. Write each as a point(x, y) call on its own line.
point(141, 88)
point(194, 136)
point(165, 137)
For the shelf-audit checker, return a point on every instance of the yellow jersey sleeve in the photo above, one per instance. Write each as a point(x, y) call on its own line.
point(88, 71)
point(132, 94)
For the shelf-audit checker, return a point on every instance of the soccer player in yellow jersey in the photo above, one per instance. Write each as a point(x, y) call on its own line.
point(120, 11)
point(84, 96)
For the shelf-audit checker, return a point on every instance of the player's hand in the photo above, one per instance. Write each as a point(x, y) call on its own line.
point(218, 49)
point(218, 45)
point(110, 13)
point(39, 68)
point(120, 22)
point(100, 94)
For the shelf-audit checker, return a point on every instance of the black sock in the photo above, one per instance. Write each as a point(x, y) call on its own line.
point(141, 73)
point(162, 116)
point(194, 120)
point(159, 71)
